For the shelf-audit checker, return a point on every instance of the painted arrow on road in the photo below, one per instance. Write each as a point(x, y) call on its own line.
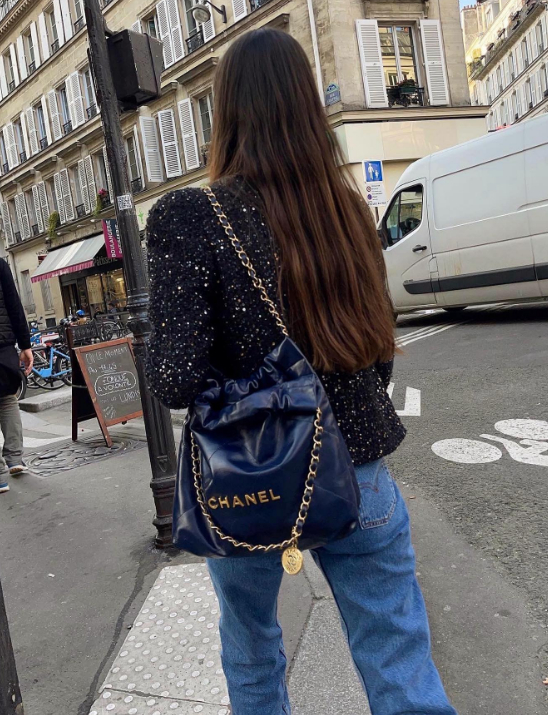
point(412, 406)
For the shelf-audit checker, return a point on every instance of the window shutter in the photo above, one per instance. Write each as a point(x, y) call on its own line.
point(22, 59)
point(59, 197)
point(519, 58)
point(136, 27)
point(369, 45)
point(37, 207)
point(239, 8)
point(190, 145)
point(165, 34)
point(11, 146)
point(26, 145)
point(67, 196)
point(43, 194)
point(153, 160)
point(109, 178)
point(6, 221)
point(90, 180)
point(44, 104)
point(13, 56)
point(434, 62)
point(170, 145)
point(22, 215)
point(70, 101)
point(78, 112)
point(54, 115)
point(44, 42)
point(208, 28)
point(84, 185)
point(177, 42)
point(34, 38)
point(67, 21)
point(58, 16)
point(31, 128)
point(3, 81)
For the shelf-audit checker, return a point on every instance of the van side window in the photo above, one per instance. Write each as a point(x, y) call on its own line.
point(404, 214)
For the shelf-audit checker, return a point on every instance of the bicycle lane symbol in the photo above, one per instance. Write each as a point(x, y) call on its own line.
point(532, 447)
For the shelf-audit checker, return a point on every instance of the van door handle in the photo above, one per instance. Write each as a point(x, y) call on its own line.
point(419, 248)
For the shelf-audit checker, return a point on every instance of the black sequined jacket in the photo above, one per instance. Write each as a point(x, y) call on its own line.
point(206, 312)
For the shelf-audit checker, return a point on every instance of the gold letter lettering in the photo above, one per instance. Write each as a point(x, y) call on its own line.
point(224, 502)
point(262, 497)
point(272, 497)
point(237, 501)
point(212, 503)
point(250, 499)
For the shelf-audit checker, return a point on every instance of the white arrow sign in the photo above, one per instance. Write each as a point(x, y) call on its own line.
point(412, 407)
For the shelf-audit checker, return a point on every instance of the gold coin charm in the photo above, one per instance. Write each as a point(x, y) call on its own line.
point(292, 560)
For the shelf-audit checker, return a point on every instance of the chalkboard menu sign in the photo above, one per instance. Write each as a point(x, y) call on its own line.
point(110, 375)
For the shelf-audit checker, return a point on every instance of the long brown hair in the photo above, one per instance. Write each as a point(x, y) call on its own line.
point(270, 128)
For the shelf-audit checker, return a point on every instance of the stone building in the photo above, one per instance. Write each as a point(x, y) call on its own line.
point(507, 58)
point(392, 76)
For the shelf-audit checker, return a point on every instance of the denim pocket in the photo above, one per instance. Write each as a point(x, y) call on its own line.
point(378, 496)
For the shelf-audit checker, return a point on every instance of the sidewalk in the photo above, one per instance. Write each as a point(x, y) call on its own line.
point(87, 597)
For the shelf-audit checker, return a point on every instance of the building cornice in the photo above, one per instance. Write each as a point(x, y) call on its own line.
point(406, 114)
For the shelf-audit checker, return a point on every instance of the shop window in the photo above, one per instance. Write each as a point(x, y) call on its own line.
point(404, 214)
point(47, 297)
point(115, 288)
point(95, 294)
point(205, 105)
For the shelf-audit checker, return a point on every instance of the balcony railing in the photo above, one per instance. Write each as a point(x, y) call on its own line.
point(32, 67)
point(22, 156)
point(78, 25)
point(17, 236)
point(54, 47)
point(256, 4)
point(67, 128)
point(43, 143)
point(195, 41)
point(80, 210)
point(91, 111)
point(136, 185)
point(5, 168)
point(405, 96)
point(11, 86)
point(35, 229)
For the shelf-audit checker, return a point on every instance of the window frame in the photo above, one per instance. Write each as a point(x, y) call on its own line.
point(208, 97)
point(539, 35)
point(131, 137)
point(388, 240)
point(415, 44)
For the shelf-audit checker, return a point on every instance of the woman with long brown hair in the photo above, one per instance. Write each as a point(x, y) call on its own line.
point(307, 239)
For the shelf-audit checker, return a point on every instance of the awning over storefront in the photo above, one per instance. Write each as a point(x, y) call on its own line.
point(69, 259)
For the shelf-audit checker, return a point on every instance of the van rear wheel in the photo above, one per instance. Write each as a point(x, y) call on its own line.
point(455, 308)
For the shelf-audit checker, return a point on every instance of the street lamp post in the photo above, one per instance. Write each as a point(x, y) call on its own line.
point(159, 430)
point(10, 695)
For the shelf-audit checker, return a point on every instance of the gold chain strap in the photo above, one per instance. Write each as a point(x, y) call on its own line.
point(297, 529)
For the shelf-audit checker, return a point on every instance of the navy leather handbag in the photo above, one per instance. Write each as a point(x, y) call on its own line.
point(263, 466)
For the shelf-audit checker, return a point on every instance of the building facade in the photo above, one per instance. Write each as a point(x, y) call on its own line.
point(392, 76)
point(507, 58)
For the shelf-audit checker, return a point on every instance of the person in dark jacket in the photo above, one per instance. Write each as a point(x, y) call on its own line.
point(13, 330)
point(276, 171)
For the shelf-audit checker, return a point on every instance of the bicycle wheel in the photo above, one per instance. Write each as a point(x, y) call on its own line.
point(64, 369)
point(40, 370)
point(22, 390)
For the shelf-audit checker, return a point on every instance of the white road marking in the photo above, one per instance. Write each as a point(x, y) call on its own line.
point(412, 406)
point(466, 451)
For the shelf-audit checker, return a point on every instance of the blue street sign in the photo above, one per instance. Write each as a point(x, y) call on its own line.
point(373, 170)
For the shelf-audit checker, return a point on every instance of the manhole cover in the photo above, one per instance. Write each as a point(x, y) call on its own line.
point(69, 455)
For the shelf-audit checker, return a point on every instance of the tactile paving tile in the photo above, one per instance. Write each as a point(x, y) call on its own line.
point(172, 653)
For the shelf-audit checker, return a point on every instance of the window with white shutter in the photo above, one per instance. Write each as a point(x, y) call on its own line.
point(6, 222)
point(58, 17)
point(208, 29)
point(434, 62)
point(109, 178)
point(54, 114)
point(21, 57)
point(82, 178)
point(35, 45)
point(371, 61)
point(24, 134)
point(136, 27)
point(59, 197)
point(67, 196)
point(153, 159)
point(37, 208)
point(43, 122)
point(3, 80)
point(11, 146)
point(43, 194)
point(14, 69)
point(22, 215)
point(90, 181)
point(239, 8)
point(77, 111)
point(164, 32)
point(188, 131)
point(170, 145)
point(31, 129)
point(176, 29)
point(67, 20)
point(44, 40)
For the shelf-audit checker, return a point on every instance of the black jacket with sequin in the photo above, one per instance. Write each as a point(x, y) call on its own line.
point(206, 312)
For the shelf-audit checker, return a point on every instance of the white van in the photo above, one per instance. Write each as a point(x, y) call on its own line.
point(469, 225)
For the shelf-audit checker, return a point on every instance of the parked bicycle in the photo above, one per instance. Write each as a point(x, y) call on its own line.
point(52, 368)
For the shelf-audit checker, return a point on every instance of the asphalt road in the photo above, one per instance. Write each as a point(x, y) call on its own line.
point(482, 372)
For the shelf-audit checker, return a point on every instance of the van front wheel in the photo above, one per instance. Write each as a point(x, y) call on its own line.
point(455, 308)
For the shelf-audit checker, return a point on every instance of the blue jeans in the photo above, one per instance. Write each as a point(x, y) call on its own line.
point(372, 576)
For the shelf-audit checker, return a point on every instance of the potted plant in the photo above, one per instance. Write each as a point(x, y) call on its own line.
point(100, 202)
point(54, 222)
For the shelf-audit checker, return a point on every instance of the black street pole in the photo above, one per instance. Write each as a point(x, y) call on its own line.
point(159, 430)
point(10, 695)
